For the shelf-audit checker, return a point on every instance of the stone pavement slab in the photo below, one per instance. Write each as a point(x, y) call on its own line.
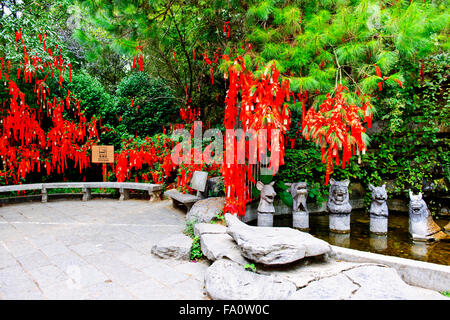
point(100, 249)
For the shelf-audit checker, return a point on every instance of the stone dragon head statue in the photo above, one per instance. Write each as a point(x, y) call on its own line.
point(418, 209)
point(379, 197)
point(299, 192)
point(267, 196)
point(421, 224)
point(338, 199)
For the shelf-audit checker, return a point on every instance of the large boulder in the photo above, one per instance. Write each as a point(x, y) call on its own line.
point(209, 228)
point(274, 246)
point(218, 246)
point(177, 246)
point(363, 283)
point(227, 280)
point(206, 210)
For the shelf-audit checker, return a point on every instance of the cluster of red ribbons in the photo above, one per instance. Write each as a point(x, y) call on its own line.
point(138, 57)
point(337, 126)
point(26, 144)
point(153, 154)
point(262, 107)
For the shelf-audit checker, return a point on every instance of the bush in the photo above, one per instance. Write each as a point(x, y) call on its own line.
point(153, 107)
point(94, 98)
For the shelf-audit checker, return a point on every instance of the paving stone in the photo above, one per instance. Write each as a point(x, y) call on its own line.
point(191, 289)
point(33, 261)
point(15, 279)
point(109, 291)
point(115, 246)
point(65, 291)
point(65, 260)
point(48, 275)
point(85, 275)
point(19, 248)
point(123, 275)
point(54, 249)
point(194, 270)
point(136, 259)
point(164, 274)
point(25, 294)
point(152, 290)
point(42, 240)
point(86, 248)
point(6, 260)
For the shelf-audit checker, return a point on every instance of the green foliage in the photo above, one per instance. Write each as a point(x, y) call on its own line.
point(32, 18)
point(94, 98)
point(189, 228)
point(218, 219)
point(409, 150)
point(154, 105)
point(196, 250)
point(446, 293)
point(250, 267)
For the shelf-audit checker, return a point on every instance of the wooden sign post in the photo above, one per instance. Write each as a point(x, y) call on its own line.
point(104, 155)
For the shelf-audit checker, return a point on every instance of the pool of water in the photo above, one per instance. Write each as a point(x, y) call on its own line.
point(397, 242)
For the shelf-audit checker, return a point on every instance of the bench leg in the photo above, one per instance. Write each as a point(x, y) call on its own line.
point(44, 195)
point(124, 194)
point(175, 204)
point(154, 196)
point(86, 194)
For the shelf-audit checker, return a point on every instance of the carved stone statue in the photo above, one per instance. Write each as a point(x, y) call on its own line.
point(299, 193)
point(266, 208)
point(339, 207)
point(421, 225)
point(300, 214)
point(378, 210)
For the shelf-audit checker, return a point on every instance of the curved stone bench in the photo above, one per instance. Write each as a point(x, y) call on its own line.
point(154, 190)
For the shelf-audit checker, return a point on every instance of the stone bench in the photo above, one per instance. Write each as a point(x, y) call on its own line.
point(198, 183)
point(154, 190)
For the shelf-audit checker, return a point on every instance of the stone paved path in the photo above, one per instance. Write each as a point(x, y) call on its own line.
point(98, 249)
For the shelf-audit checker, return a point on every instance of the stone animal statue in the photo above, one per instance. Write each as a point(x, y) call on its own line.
point(299, 192)
point(338, 199)
point(421, 225)
point(379, 197)
point(267, 196)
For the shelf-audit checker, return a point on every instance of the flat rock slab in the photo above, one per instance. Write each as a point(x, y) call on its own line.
point(206, 210)
point(177, 246)
point(364, 283)
point(227, 280)
point(209, 228)
point(274, 246)
point(306, 271)
point(222, 245)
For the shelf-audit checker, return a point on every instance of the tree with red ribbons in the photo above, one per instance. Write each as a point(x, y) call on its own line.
point(48, 134)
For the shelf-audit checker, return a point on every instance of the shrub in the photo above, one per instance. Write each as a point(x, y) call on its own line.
point(153, 105)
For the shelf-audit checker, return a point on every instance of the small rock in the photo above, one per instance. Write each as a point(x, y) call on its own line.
point(274, 246)
point(227, 280)
point(177, 247)
point(206, 210)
